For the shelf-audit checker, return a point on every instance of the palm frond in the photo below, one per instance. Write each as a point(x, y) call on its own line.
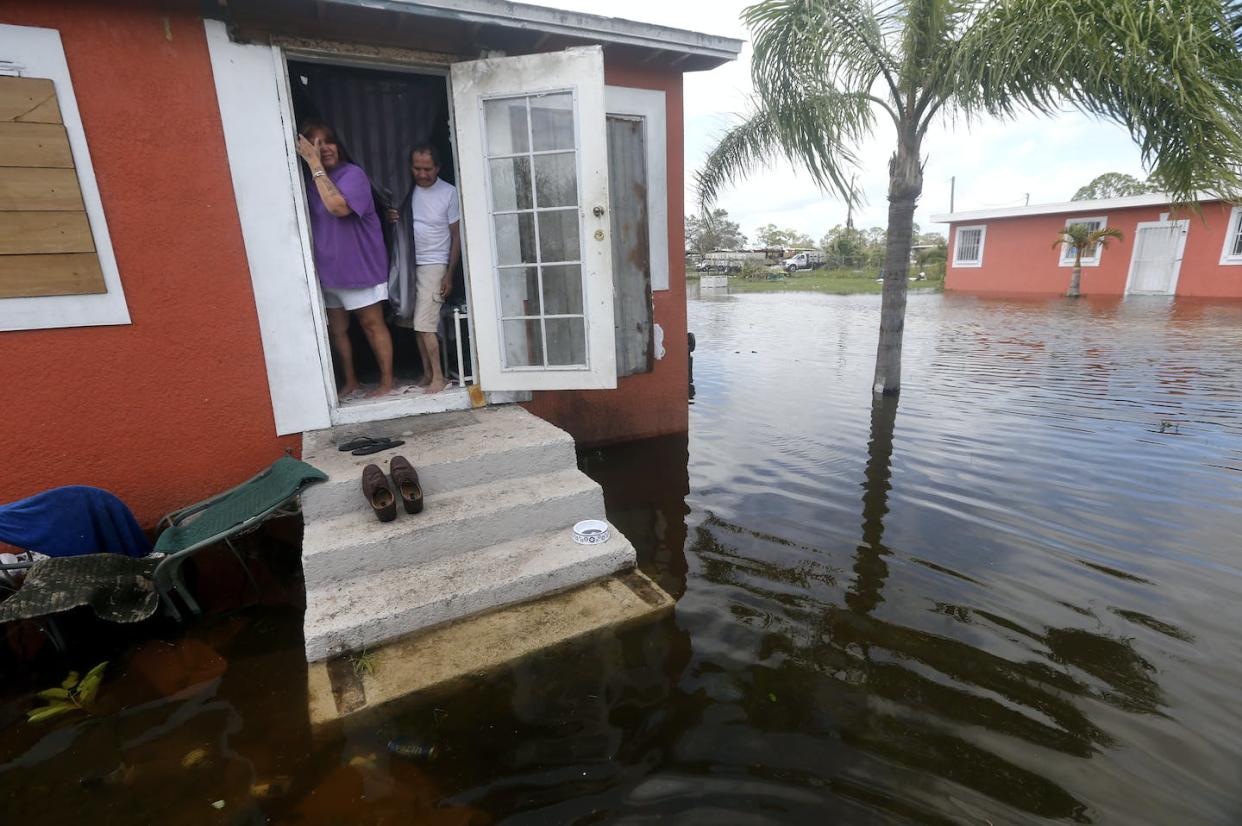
point(816, 133)
point(802, 47)
point(1168, 71)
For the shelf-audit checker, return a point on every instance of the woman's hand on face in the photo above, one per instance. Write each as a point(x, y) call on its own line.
point(309, 152)
point(393, 216)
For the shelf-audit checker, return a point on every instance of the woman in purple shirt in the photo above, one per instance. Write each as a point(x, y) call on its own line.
point(350, 255)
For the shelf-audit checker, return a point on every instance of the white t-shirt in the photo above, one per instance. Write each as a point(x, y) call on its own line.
point(435, 207)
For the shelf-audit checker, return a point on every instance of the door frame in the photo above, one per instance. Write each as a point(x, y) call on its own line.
point(379, 410)
point(1184, 226)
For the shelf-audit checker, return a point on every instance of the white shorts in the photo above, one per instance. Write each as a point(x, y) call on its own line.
point(354, 299)
point(427, 300)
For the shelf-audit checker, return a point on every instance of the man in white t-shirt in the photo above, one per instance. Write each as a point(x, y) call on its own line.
point(437, 249)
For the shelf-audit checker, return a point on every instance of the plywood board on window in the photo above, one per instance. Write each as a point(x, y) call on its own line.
point(39, 275)
point(28, 100)
point(23, 233)
point(35, 144)
point(36, 190)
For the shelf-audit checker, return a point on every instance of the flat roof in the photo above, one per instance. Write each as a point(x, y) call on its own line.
point(466, 26)
point(1103, 204)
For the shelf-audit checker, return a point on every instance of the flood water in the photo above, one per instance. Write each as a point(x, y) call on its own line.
point(1011, 597)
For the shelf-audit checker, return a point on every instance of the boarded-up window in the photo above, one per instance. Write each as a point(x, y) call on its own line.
point(46, 246)
point(631, 249)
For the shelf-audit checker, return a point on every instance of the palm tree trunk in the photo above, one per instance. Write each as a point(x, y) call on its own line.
point(1075, 277)
point(905, 185)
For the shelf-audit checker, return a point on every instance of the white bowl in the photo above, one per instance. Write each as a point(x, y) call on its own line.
point(591, 532)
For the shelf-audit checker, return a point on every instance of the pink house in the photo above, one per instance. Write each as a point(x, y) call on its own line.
point(1165, 250)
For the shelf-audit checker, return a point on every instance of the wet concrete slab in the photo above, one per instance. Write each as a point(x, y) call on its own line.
point(352, 686)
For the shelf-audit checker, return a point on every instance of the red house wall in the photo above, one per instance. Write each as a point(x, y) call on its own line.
point(1019, 256)
point(174, 406)
point(655, 403)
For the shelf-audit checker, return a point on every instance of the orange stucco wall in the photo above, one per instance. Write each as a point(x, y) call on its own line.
point(175, 405)
point(1019, 257)
point(655, 403)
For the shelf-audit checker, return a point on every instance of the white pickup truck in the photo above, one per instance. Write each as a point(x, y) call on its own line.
point(805, 260)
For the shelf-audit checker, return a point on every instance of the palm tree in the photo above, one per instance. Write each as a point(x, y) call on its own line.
point(1080, 238)
point(1168, 71)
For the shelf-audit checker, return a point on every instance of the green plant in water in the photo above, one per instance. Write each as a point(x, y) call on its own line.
point(73, 694)
point(363, 662)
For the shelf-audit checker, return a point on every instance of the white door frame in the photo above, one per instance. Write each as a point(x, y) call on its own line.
point(1184, 226)
point(379, 410)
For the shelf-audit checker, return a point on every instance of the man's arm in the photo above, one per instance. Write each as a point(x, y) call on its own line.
point(446, 286)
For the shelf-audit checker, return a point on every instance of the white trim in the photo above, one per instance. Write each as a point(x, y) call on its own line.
point(39, 53)
point(957, 245)
point(1066, 258)
point(649, 105)
point(1103, 205)
point(1232, 230)
point(1184, 225)
point(258, 136)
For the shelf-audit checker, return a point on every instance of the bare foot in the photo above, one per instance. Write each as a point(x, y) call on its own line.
point(422, 382)
point(382, 390)
point(435, 386)
point(347, 392)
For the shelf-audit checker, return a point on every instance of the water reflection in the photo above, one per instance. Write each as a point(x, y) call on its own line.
point(1009, 598)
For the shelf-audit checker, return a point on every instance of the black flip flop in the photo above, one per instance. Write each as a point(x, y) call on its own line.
point(357, 442)
point(376, 446)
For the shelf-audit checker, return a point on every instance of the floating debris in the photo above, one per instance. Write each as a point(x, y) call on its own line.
point(196, 758)
point(412, 749)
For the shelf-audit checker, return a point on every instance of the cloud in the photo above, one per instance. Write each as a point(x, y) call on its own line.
point(995, 163)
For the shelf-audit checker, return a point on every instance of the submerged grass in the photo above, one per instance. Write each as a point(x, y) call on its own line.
point(833, 282)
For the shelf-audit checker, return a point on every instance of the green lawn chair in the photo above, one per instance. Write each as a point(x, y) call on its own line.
point(224, 518)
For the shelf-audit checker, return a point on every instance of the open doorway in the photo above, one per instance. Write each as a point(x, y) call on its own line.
point(378, 117)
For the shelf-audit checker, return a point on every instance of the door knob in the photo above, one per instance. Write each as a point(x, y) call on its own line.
point(599, 211)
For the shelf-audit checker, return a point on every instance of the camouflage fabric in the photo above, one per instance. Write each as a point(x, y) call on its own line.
point(117, 588)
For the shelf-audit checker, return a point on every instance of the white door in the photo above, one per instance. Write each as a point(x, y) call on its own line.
point(1157, 258)
point(533, 157)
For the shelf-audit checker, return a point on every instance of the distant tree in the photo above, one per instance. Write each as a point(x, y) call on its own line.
point(930, 248)
point(1114, 185)
point(844, 247)
point(771, 236)
point(713, 231)
point(1080, 238)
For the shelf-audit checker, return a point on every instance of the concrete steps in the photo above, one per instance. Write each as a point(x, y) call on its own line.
point(356, 544)
point(501, 490)
point(367, 611)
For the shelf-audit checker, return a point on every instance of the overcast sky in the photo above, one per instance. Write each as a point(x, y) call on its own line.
point(996, 163)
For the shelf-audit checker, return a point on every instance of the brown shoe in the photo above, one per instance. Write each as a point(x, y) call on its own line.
point(406, 480)
point(375, 488)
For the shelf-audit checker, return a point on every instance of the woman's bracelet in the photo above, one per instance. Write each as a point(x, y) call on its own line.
point(318, 173)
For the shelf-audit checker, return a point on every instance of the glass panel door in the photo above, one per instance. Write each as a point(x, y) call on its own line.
point(533, 158)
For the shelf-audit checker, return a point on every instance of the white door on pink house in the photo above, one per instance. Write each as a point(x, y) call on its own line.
point(1157, 259)
point(533, 159)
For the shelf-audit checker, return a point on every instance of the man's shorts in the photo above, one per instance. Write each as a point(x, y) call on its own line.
point(427, 300)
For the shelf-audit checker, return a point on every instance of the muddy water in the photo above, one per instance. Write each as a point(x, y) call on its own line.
point(1010, 598)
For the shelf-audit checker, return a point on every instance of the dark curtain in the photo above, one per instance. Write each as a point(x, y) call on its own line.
point(378, 118)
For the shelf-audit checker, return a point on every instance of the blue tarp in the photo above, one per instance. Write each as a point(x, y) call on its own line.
point(72, 521)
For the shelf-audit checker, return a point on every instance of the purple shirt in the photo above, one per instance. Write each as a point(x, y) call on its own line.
point(349, 251)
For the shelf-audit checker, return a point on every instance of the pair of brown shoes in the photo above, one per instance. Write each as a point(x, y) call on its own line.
point(380, 494)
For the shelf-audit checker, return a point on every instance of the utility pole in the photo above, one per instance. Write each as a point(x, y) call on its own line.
point(849, 215)
point(1028, 199)
point(952, 188)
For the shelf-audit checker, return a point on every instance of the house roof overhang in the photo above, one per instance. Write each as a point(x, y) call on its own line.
point(1066, 208)
point(471, 28)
